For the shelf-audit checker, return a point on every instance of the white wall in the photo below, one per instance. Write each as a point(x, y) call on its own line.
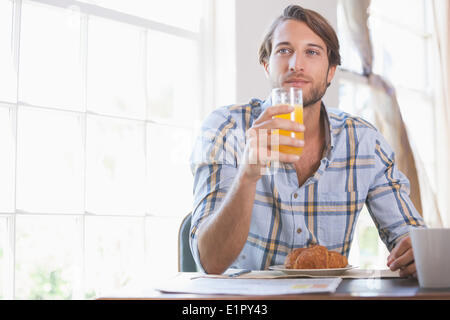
point(251, 21)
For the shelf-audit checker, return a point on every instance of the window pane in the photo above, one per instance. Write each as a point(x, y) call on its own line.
point(115, 166)
point(50, 59)
point(168, 154)
point(161, 260)
point(368, 250)
point(115, 69)
point(413, 106)
point(8, 79)
point(7, 159)
point(48, 257)
point(49, 161)
point(173, 78)
point(396, 11)
point(395, 51)
point(416, 112)
point(355, 98)
point(114, 254)
point(180, 13)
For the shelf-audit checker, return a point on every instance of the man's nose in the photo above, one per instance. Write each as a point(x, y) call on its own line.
point(296, 63)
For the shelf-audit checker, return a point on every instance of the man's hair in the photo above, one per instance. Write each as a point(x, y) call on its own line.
point(318, 24)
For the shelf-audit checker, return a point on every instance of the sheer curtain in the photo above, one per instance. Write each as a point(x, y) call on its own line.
point(441, 87)
point(388, 118)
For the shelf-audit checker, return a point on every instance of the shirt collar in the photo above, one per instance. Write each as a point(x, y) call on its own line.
point(266, 103)
point(329, 138)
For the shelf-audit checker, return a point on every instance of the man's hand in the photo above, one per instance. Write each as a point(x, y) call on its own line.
point(261, 148)
point(402, 258)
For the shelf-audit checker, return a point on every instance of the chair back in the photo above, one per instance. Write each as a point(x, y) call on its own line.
point(186, 262)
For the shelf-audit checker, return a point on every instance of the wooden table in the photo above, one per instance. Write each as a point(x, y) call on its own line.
point(384, 298)
point(348, 289)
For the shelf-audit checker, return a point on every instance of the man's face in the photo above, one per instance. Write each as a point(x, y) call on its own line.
point(299, 59)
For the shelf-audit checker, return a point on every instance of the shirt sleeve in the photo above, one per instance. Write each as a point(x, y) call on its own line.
point(214, 164)
point(388, 198)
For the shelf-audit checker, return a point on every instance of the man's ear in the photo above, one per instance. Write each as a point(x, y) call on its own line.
point(330, 75)
point(266, 69)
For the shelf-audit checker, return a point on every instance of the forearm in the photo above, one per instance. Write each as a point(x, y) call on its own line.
point(223, 235)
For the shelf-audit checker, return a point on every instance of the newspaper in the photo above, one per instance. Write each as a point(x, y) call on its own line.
point(237, 286)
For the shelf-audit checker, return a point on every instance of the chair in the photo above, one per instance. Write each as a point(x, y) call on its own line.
point(186, 261)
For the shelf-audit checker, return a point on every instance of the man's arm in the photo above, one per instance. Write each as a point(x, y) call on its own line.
point(392, 210)
point(222, 234)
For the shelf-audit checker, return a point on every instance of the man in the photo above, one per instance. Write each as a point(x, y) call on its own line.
point(246, 219)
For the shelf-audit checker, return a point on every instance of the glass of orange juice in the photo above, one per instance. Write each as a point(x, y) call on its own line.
point(291, 96)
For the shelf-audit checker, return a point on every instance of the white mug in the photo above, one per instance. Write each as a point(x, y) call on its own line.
point(431, 248)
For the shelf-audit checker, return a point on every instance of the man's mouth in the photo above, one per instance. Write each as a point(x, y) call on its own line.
point(296, 82)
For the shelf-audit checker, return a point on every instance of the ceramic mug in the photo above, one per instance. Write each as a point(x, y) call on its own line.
point(431, 247)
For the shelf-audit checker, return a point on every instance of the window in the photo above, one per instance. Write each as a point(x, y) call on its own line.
point(408, 64)
point(401, 45)
point(99, 101)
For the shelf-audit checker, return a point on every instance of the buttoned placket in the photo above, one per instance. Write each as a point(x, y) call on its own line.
point(298, 227)
point(301, 231)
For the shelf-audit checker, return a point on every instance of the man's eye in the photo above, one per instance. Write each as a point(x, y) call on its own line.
point(284, 50)
point(312, 52)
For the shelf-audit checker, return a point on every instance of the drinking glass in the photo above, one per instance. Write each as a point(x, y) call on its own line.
point(290, 96)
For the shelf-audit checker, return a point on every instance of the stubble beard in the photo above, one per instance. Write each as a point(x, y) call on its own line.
point(316, 94)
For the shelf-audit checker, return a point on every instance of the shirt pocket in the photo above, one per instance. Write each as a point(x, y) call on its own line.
point(337, 213)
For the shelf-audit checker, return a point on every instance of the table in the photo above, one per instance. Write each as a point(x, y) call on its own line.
point(348, 289)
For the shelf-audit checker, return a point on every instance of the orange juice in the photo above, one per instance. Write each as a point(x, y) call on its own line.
point(297, 116)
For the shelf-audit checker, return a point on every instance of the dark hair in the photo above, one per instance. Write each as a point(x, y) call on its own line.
point(318, 24)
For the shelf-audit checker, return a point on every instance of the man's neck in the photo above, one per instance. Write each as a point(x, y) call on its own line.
point(312, 122)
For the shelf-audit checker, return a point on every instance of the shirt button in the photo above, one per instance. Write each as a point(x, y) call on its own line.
point(299, 230)
point(295, 195)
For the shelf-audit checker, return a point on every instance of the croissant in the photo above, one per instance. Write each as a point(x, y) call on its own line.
point(316, 257)
point(289, 262)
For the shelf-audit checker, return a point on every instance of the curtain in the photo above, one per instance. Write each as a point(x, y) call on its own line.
point(388, 118)
point(441, 87)
point(356, 17)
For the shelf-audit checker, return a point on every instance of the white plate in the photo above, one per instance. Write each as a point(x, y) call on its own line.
point(313, 272)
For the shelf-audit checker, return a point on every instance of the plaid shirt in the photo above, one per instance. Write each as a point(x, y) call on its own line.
point(357, 168)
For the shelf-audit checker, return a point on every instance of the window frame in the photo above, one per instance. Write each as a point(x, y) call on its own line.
point(205, 74)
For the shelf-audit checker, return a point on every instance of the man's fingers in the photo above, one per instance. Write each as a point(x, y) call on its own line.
point(409, 270)
point(273, 111)
point(281, 157)
point(399, 249)
point(280, 140)
point(403, 260)
point(278, 123)
point(264, 139)
point(267, 139)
